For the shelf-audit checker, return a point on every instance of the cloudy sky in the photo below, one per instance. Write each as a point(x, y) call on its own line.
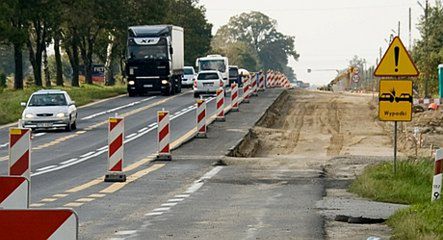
point(328, 33)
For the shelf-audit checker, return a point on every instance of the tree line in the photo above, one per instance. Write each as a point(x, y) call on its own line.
point(251, 40)
point(87, 32)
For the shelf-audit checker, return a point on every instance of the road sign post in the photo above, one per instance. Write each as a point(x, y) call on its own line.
point(395, 95)
point(440, 80)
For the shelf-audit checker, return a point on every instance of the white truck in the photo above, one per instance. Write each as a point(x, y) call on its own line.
point(217, 63)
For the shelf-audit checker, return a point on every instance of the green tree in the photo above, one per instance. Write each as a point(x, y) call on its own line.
point(428, 51)
point(260, 33)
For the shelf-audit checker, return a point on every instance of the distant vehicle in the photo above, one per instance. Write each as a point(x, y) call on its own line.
point(234, 77)
point(155, 59)
point(208, 82)
point(189, 76)
point(386, 97)
point(404, 97)
point(50, 109)
point(217, 63)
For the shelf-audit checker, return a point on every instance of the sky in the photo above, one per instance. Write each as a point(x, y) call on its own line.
point(328, 33)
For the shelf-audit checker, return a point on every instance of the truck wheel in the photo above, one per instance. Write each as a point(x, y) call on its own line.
point(179, 86)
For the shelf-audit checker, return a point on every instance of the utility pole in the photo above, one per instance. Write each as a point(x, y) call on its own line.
point(426, 44)
point(398, 32)
point(410, 29)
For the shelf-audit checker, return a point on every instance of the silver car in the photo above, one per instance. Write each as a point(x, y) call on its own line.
point(48, 109)
point(208, 82)
point(188, 76)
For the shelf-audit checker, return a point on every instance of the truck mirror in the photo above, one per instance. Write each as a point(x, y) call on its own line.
point(171, 50)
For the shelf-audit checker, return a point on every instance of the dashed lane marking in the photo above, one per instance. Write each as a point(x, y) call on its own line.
point(154, 214)
point(126, 232)
point(85, 200)
point(176, 199)
point(169, 204)
point(74, 204)
point(162, 209)
point(48, 200)
point(34, 205)
point(97, 195)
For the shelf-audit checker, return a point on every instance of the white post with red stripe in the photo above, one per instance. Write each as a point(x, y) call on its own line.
point(164, 149)
point(201, 118)
point(261, 81)
point(234, 97)
point(116, 136)
point(254, 85)
point(14, 192)
point(20, 152)
point(220, 105)
point(246, 89)
point(436, 184)
point(53, 224)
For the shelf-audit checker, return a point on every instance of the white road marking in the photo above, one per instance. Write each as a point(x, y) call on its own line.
point(87, 154)
point(131, 135)
point(152, 125)
point(117, 108)
point(175, 200)
point(39, 134)
point(182, 196)
point(169, 204)
point(162, 209)
point(153, 214)
point(200, 182)
point(103, 148)
point(69, 161)
point(127, 232)
point(142, 130)
point(4, 145)
point(46, 168)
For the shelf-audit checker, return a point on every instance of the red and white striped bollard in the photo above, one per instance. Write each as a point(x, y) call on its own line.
point(201, 118)
point(437, 181)
point(116, 136)
point(246, 90)
point(234, 97)
point(220, 105)
point(164, 150)
point(20, 152)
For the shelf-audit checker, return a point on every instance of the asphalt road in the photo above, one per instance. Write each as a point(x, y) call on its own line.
point(187, 198)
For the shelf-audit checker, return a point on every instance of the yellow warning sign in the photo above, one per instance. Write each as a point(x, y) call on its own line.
point(396, 62)
point(395, 100)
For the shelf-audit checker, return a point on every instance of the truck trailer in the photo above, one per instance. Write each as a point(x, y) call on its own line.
point(154, 59)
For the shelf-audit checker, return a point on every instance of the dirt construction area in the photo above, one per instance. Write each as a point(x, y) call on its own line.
point(334, 136)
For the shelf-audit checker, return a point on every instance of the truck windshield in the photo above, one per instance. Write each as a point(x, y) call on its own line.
point(148, 52)
point(218, 65)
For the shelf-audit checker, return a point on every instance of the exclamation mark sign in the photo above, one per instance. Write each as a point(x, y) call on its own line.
point(396, 53)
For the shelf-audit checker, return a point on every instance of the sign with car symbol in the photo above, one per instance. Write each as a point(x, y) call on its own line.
point(395, 100)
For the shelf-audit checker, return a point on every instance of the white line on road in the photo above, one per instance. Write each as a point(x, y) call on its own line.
point(142, 130)
point(117, 108)
point(169, 204)
point(46, 168)
point(182, 196)
point(162, 209)
point(87, 154)
point(39, 134)
point(154, 214)
point(176, 200)
point(69, 161)
point(131, 135)
point(103, 148)
point(200, 182)
point(126, 232)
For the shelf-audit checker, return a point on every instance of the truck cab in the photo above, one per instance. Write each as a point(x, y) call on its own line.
point(154, 59)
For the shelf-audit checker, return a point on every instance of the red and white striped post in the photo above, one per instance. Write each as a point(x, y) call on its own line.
point(261, 82)
point(116, 136)
point(201, 118)
point(164, 150)
point(20, 152)
point(246, 89)
point(220, 105)
point(14, 192)
point(234, 97)
point(272, 80)
point(436, 183)
point(254, 83)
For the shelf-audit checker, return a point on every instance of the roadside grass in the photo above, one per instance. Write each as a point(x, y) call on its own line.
point(411, 185)
point(10, 109)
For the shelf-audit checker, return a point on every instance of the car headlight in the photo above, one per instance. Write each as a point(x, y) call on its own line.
point(164, 82)
point(61, 115)
point(131, 83)
point(29, 115)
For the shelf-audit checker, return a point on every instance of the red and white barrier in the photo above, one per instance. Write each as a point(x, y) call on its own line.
point(220, 105)
point(254, 81)
point(164, 150)
point(20, 152)
point(116, 130)
point(201, 118)
point(436, 183)
point(53, 224)
point(261, 81)
point(234, 97)
point(246, 89)
point(14, 192)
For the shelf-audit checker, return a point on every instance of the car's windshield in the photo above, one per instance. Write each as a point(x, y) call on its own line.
point(207, 76)
point(148, 52)
point(188, 71)
point(50, 99)
point(233, 73)
point(218, 65)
